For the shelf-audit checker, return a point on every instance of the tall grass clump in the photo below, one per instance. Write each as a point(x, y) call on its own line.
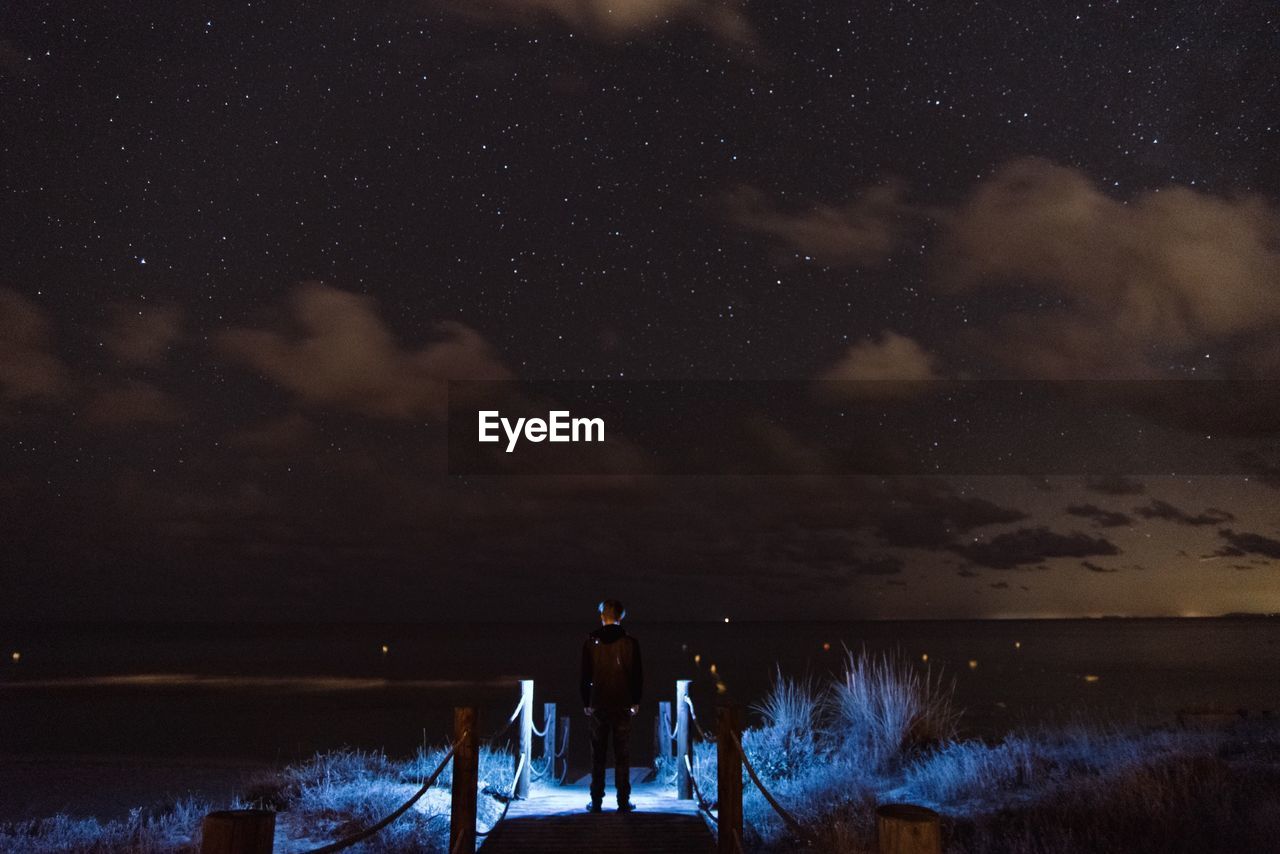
point(883, 707)
point(166, 829)
point(787, 743)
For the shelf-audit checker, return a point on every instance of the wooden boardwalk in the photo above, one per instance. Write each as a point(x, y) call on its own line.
point(554, 821)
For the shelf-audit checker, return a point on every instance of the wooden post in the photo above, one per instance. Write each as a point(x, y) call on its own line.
point(238, 832)
point(684, 747)
point(549, 739)
point(662, 733)
point(908, 829)
point(526, 738)
point(466, 773)
point(728, 781)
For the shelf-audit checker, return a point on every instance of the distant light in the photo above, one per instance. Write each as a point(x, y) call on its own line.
point(697, 659)
point(826, 647)
point(721, 687)
point(726, 619)
point(924, 656)
point(713, 668)
point(17, 656)
point(1089, 677)
point(973, 664)
point(385, 649)
point(1017, 644)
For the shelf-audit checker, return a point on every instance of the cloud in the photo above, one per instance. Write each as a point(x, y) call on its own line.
point(891, 357)
point(863, 232)
point(932, 519)
point(142, 334)
point(1164, 510)
point(1247, 543)
point(887, 565)
point(280, 435)
point(346, 358)
point(612, 19)
point(1104, 518)
point(1125, 285)
point(28, 366)
point(1116, 485)
point(134, 402)
point(1093, 567)
point(1032, 546)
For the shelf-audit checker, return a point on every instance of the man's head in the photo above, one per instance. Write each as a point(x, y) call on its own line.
point(611, 611)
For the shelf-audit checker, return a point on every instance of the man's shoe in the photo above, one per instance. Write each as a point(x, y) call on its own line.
point(626, 806)
point(594, 806)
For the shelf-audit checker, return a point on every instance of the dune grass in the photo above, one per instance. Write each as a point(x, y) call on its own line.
point(316, 801)
point(885, 731)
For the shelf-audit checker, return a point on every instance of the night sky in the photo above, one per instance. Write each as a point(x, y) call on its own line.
point(245, 248)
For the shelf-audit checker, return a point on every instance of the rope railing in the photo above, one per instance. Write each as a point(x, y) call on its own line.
point(507, 724)
point(795, 826)
point(507, 799)
point(675, 730)
point(693, 716)
point(360, 836)
point(703, 803)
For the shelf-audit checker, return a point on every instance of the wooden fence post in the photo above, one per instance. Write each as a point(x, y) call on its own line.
point(662, 734)
point(238, 832)
point(466, 773)
point(728, 782)
point(549, 739)
point(684, 747)
point(908, 829)
point(525, 756)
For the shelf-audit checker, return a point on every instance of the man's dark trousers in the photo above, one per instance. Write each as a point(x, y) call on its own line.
point(612, 726)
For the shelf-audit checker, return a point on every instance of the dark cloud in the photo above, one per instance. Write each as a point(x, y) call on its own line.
point(283, 434)
point(1158, 509)
point(1116, 485)
point(887, 565)
point(1030, 546)
point(29, 368)
point(130, 403)
point(932, 519)
point(1247, 543)
point(999, 585)
point(1093, 567)
point(143, 334)
point(1102, 517)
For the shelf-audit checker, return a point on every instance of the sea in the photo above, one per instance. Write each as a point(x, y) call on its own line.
point(100, 719)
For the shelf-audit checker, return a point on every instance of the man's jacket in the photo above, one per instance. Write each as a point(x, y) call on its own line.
point(611, 674)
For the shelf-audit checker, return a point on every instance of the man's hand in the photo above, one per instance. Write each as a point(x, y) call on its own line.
point(588, 711)
point(635, 709)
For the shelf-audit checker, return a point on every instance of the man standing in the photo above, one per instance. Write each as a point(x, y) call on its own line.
point(611, 684)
